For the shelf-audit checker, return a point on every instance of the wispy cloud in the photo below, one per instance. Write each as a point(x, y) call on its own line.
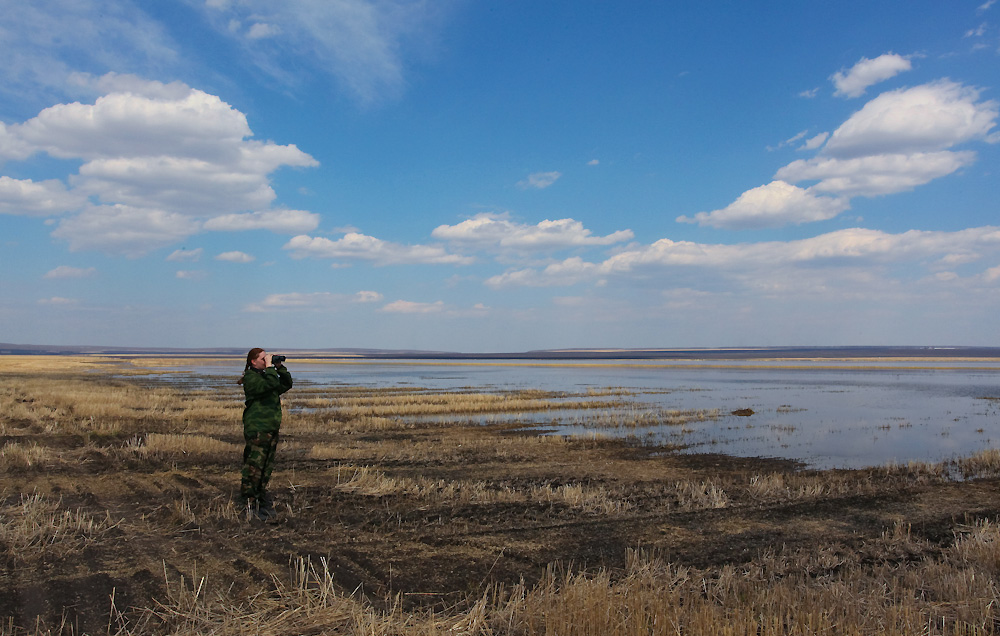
point(281, 221)
point(235, 257)
point(815, 141)
point(772, 205)
point(365, 45)
point(438, 307)
point(355, 246)
point(92, 34)
point(185, 256)
point(65, 271)
point(492, 230)
point(978, 32)
point(58, 301)
point(539, 180)
point(315, 301)
point(409, 307)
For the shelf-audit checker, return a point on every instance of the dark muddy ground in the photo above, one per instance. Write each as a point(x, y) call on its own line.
point(162, 522)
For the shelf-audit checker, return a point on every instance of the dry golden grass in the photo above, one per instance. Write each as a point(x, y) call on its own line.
point(366, 480)
point(15, 456)
point(56, 364)
point(952, 591)
point(173, 444)
point(36, 524)
point(80, 405)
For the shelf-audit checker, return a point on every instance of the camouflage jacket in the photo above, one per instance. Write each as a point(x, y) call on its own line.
point(263, 404)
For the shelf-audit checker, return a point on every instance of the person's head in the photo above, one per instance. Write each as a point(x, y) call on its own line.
point(255, 359)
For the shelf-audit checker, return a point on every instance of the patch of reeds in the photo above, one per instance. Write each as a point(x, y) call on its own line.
point(985, 463)
point(636, 416)
point(349, 408)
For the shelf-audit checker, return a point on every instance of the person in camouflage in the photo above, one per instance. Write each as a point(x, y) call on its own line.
point(263, 383)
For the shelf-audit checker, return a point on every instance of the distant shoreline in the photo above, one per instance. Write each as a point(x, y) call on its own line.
point(721, 353)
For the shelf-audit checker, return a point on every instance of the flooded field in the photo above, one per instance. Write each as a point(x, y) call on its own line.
point(826, 414)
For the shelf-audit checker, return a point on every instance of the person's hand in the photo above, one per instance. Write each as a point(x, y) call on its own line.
point(267, 360)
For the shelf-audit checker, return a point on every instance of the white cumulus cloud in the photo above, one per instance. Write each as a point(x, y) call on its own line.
point(877, 174)
point(568, 272)
point(37, 198)
point(163, 161)
point(899, 140)
point(854, 81)
point(125, 230)
point(771, 205)
point(924, 118)
point(855, 254)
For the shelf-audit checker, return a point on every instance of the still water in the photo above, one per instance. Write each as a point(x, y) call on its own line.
point(827, 414)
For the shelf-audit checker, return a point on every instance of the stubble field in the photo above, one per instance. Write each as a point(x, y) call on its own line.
point(118, 514)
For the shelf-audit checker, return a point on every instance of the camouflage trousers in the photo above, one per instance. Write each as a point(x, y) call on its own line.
point(258, 461)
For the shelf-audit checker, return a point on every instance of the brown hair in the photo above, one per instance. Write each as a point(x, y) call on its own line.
point(251, 355)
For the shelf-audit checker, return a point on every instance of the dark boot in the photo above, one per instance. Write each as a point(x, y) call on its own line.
point(253, 509)
point(266, 506)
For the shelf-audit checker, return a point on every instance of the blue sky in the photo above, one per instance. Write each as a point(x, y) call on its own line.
point(499, 176)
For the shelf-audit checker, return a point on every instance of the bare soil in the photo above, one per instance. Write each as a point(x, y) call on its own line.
point(425, 551)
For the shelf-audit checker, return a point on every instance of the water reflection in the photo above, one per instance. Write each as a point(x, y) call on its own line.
point(828, 414)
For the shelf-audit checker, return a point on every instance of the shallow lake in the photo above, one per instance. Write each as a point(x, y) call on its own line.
point(827, 414)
